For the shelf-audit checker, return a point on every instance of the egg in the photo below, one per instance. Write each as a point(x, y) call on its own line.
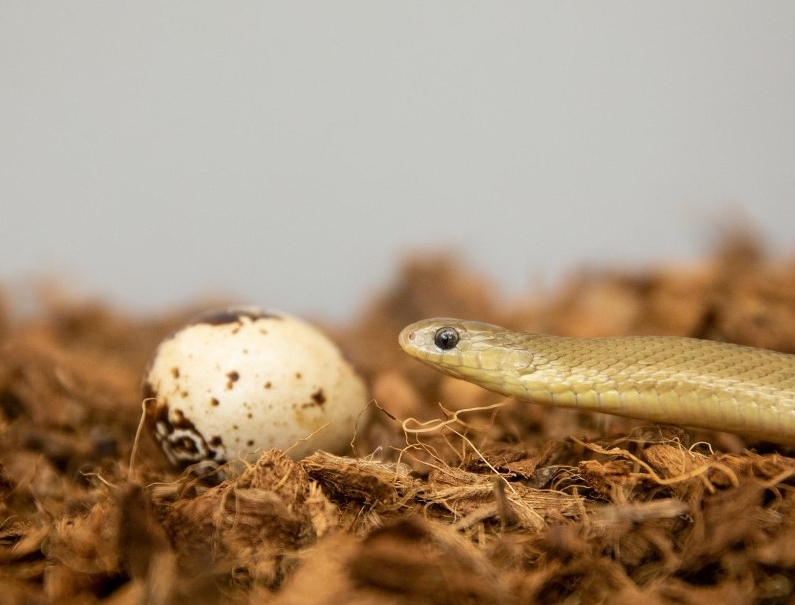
point(236, 381)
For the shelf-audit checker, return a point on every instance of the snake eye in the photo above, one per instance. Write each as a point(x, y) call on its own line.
point(446, 338)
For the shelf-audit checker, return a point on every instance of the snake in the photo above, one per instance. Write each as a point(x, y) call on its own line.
point(664, 379)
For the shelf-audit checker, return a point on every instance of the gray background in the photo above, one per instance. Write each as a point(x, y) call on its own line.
point(290, 154)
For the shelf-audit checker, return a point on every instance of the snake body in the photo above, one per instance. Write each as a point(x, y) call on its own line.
point(667, 379)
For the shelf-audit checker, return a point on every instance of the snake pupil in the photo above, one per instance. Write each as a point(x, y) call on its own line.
point(446, 338)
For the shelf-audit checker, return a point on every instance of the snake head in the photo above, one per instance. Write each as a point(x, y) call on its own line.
point(471, 350)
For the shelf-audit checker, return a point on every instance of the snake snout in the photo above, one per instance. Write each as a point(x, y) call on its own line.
point(408, 339)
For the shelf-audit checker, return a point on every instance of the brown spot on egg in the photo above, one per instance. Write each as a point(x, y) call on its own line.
point(214, 402)
point(179, 420)
point(250, 442)
point(232, 377)
point(184, 394)
point(298, 376)
point(175, 372)
point(216, 441)
point(268, 385)
point(232, 315)
point(318, 399)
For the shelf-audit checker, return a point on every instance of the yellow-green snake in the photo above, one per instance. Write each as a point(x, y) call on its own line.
point(667, 379)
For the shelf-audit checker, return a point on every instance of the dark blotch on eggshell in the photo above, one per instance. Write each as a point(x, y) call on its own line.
point(319, 397)
point(181, 422)
point(232, 378)
point(219, 317)
point(186, 448)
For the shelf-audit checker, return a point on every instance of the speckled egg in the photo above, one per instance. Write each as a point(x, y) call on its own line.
point(239, 380)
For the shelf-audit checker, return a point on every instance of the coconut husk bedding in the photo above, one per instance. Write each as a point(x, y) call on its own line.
point(447, 494)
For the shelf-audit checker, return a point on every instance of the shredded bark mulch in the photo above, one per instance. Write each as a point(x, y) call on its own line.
point(449, 494)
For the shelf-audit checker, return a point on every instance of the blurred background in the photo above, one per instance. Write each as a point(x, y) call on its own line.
point(292, 154)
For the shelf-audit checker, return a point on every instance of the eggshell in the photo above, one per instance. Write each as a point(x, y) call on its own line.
point(239, 380)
